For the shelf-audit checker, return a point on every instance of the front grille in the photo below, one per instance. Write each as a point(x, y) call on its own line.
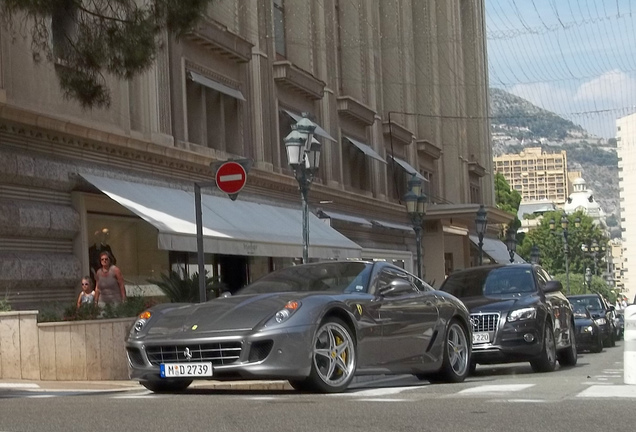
point(484, 322)
point(220, 353)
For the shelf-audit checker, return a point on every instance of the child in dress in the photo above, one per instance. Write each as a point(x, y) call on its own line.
point(87, 296)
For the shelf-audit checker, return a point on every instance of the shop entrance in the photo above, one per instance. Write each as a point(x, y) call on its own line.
point(233, 271)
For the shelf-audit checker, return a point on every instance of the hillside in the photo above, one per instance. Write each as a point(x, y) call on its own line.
point(517, 124)
point(525, 120)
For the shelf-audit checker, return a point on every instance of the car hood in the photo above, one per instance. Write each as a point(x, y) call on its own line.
point(218, 315)
point(490, 304)
point(582, 322)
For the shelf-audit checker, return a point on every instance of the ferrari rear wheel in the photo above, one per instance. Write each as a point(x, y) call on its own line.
point(333, 360)
point(166, 386)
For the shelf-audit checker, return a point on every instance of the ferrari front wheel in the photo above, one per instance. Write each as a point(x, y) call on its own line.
point(456, 362)
point(333, 360)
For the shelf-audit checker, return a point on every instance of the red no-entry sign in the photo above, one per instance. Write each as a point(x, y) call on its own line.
point(231, 177)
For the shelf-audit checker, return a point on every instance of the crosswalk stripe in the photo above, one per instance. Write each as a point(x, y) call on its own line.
point(605, 391)
point(496, 388)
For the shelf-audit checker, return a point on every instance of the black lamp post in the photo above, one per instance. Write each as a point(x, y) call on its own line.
point(564, 226)
point(481, 222)
point(511, 242)
point(416, 200)
point(534, 254)
point(303, 155)
point(595, 250)
point(588, 280)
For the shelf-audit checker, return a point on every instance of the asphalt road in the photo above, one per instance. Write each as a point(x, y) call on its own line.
point(588, 397)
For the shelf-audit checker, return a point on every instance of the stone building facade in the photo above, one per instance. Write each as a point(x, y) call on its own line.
point(398, 88)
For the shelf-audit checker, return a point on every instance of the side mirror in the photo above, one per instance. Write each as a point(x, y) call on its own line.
point(553, 286)
point(395, 288)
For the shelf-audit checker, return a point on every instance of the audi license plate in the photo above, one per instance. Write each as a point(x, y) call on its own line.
point(172, 370)
point(481, 337)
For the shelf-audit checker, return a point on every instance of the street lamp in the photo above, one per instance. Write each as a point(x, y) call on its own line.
point(534, 254)
point(303, 155)
point(564, 226)
point(588, 280)
point(595, 250)
point(481, 222)
point(416, 200)
point(511, 242)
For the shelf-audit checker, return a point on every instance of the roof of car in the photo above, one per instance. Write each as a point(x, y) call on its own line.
point(492, 267)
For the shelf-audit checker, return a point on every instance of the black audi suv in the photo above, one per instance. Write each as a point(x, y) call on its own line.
point(518, 314)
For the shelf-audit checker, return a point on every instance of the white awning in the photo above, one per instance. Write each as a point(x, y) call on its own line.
point(319, 131)
point(215, 85)
point(229, 227)
point(386, 224)
point(346, 217)
point(367, 150)
point(496, 249)
point(408, 168)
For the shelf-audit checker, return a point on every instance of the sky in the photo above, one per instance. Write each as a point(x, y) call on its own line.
point(576, 58)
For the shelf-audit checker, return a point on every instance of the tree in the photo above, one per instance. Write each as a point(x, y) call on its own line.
point(507, 199)
point(550, 243)
point(88, 39)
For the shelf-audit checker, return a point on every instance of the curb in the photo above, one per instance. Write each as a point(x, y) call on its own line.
point(22, 385)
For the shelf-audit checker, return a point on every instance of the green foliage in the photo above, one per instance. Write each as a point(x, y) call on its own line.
point(578, 286)
point(92, 39)
point(5, 306)
point(551, 245)
point(83, 313)
point(507, 199)
point(183, 288)
point(132, 306)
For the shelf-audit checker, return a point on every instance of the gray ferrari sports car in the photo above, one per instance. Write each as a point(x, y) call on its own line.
point(316, 325)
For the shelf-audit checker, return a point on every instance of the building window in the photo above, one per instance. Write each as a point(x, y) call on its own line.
point(213, 118)
point(356, 167)
point(279, 29)
point(63, 29)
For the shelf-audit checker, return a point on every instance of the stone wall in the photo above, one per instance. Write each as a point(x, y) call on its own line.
point(62, 351)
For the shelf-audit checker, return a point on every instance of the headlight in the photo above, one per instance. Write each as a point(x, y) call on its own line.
point(588, 329)
point(600, 321)
point(522, 314)
point(142, 319)
point(285, 313)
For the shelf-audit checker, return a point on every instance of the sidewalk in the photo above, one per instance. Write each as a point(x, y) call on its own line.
point(122, 385)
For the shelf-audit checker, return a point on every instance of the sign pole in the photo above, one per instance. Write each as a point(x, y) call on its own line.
point(200, 258)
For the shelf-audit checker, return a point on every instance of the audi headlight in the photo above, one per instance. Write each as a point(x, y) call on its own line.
point(142, 319)
point(600, 321)
point(522, 314)
point(285, 313)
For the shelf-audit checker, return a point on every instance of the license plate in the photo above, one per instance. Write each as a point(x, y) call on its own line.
point(171, 370)
point(482, 337)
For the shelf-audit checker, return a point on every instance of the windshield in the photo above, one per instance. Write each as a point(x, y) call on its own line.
point(592, 302)
point(491, 282)
point(336, 277)
point(580, 311)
